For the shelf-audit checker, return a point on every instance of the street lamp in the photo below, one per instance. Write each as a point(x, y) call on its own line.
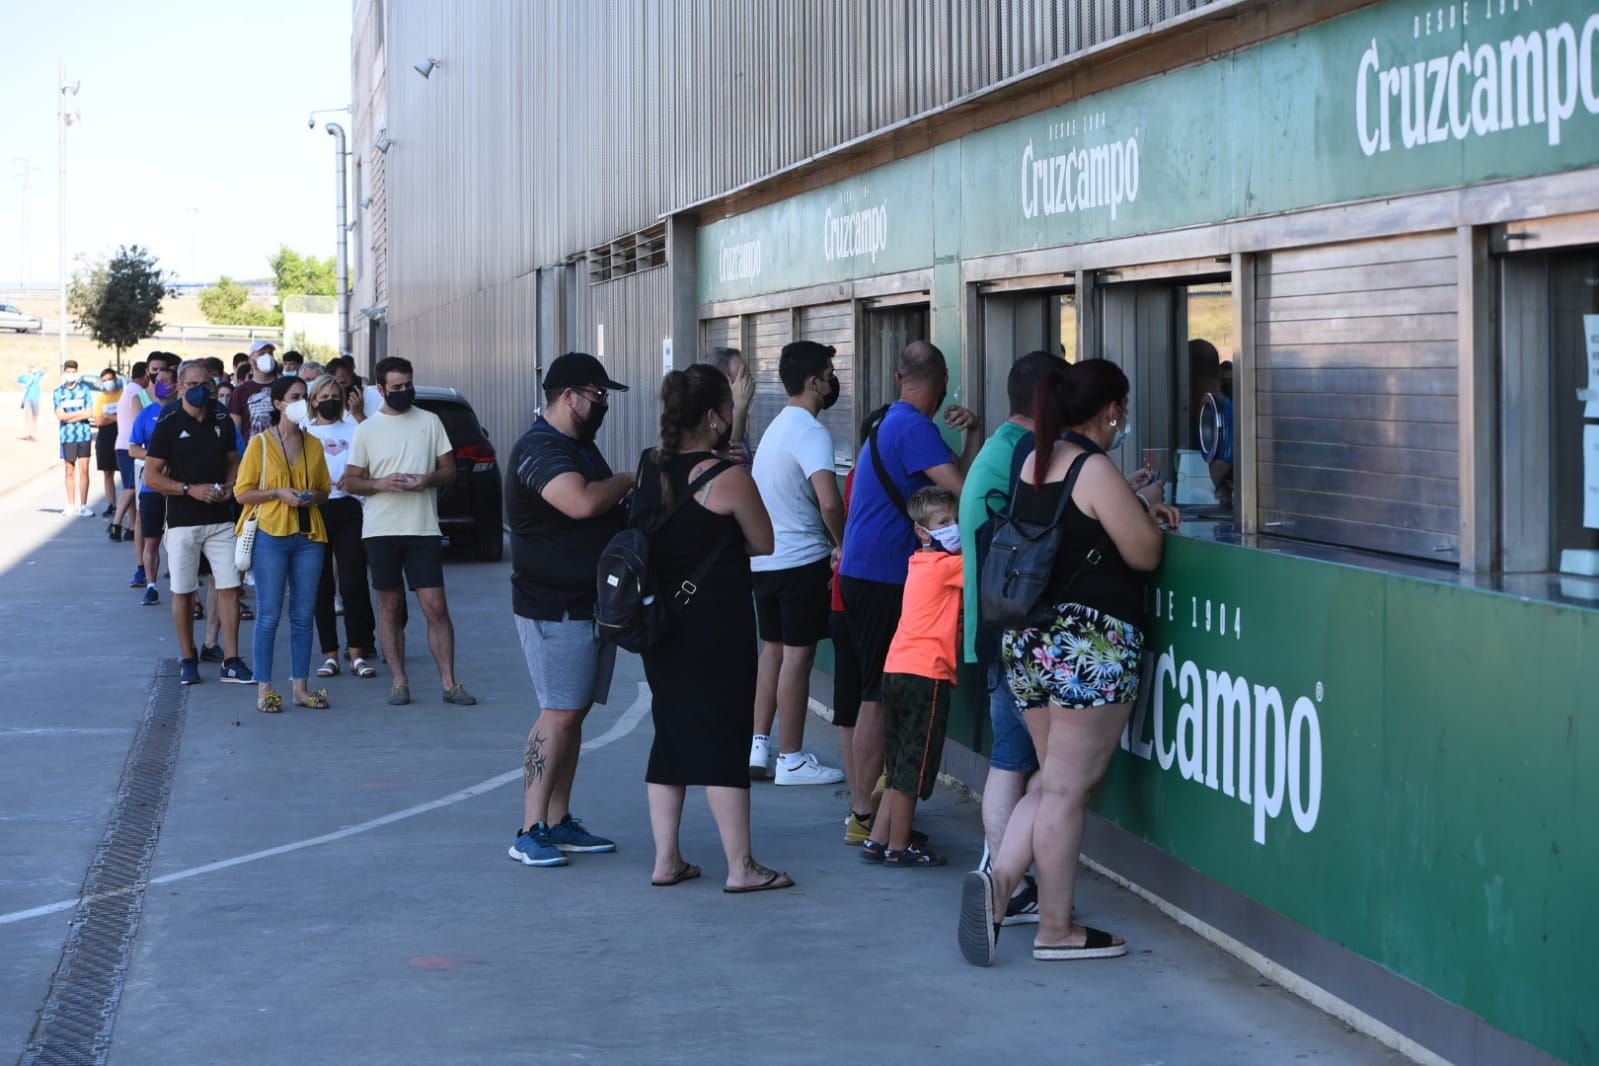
point(64, 118)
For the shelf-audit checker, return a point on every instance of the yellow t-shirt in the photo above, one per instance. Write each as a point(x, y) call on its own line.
point(308, 474)
point(400, 444)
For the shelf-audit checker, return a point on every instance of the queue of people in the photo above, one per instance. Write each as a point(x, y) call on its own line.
point(763, 558)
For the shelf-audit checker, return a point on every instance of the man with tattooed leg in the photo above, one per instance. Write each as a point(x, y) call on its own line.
point(564, 505)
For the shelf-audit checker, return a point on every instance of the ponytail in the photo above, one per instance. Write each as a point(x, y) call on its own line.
point(685, 397)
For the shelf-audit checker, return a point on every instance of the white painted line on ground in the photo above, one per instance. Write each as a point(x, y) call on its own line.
point(624, 725)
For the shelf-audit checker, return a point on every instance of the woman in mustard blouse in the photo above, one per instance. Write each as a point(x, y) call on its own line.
point(289, 542)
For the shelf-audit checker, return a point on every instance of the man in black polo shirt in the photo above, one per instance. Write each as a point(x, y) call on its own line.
point(564, 506)
point(192, 458)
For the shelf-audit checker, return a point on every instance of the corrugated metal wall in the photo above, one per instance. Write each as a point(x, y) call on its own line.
point(632, 310)
point(551, 127)
point(1357, 355)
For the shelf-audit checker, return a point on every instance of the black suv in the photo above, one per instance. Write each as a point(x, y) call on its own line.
point(470, 509)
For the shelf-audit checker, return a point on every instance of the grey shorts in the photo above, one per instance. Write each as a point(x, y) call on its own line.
point(571, 669)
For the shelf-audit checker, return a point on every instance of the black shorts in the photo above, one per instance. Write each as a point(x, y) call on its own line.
point(791, 606)
point(105, 449)
point(419, 559)
point(873, 608)
point(77, 450)
point(846, 672)
point(915, 716)
point(152, 514)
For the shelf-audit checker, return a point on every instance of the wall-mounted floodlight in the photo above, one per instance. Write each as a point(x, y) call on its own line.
point(426, 67)
point(366, 201)
point(385, 142)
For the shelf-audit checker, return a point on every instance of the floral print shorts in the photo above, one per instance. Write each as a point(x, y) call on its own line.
point(1083, 659)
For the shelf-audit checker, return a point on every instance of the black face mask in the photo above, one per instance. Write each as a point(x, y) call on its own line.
point(725, 438)
point(399, 401)
point(588, 425)
point(330, 409)
point(837, 390)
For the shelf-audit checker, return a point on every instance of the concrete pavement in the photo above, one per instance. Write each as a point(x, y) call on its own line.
point(386, 924)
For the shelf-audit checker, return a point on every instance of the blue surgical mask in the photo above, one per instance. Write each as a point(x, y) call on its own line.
point(1121, 435)
point(197, 396)
point(947, 537)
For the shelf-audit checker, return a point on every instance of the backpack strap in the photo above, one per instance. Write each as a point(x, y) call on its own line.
point(882, 471)
point(684, 593)
point(1095, 554)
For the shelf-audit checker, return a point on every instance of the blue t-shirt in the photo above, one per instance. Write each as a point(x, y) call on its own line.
point(32, 385)
point(144, 429)
point(70, 400)
point(879, 537)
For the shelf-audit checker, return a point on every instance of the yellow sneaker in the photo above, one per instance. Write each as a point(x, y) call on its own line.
point(856, 831)
point(878, 790)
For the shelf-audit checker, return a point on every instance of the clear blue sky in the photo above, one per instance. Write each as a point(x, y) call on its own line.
point(186, 104)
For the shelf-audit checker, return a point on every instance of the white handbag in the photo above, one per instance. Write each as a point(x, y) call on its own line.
point(244, 544)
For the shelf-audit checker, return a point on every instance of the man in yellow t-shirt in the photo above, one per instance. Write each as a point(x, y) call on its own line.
point(399, 460)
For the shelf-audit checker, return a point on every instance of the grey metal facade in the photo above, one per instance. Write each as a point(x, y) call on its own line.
point(552, 127)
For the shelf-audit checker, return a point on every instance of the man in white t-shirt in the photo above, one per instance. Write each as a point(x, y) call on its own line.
point(794, 471)
point(399, 460)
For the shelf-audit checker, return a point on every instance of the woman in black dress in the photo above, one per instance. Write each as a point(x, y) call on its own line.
point(702, 675)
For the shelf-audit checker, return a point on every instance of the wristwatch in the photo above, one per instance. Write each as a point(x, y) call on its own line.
point(185, 488)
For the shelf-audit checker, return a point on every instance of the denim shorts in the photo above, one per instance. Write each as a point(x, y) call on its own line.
point(571, 668)
point(1013, 745)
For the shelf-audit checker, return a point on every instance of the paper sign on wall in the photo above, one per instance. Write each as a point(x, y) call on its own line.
point(666, 355)
point(1590, 333)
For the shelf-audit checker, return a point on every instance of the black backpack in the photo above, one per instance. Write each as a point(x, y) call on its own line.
point(628, 609)
point(1015, 575)
point(995, 505)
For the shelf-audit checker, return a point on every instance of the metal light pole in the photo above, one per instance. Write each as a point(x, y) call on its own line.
point(345, 347)
point(63, 120)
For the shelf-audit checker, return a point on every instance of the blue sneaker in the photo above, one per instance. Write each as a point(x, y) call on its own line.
point(152, 598)
point(189, 671)
point(212, 653)
point(235, 672)
point(138, 581)
point(533, 848)
point(569, 835)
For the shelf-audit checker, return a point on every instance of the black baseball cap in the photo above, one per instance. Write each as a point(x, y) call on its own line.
point(576, 370)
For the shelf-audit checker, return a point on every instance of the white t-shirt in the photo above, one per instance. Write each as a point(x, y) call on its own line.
point(336, 438)
point(794, 447)
point(400, 444)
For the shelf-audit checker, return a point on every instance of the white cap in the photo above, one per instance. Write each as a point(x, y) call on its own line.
point(259, 345)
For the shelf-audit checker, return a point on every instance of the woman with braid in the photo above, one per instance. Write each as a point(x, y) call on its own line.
point(702, 674)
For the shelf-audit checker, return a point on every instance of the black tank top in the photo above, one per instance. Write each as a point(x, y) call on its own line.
point(679, 548)
point(1112, 587)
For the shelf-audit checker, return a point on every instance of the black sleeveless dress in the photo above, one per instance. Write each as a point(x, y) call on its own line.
point(702, 676)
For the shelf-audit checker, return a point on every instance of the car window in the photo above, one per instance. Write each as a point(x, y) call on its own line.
point(460, 424)
point(8, 307)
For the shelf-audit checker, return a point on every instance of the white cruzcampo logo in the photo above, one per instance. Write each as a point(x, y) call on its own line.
point(855, 233)
point(1101, 178)
point(739, 262)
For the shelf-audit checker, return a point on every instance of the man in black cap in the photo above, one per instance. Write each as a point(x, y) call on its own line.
point(564, 505)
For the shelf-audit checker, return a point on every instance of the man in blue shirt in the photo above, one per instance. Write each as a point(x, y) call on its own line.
point(152, 505)
point(879, 539)
point(74, 404)
point(31, 381)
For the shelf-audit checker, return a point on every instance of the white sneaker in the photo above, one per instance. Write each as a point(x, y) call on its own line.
point(808, 772)
point(86, 511)
point(760, 759)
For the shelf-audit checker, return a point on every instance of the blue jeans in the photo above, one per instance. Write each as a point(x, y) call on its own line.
point(291, 565)
point(1013, 745)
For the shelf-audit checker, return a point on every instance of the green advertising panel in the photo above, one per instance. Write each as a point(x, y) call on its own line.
point(1397, 98)
point(1403, 766)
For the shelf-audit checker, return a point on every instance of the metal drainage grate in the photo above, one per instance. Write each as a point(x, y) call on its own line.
point(75, 1023)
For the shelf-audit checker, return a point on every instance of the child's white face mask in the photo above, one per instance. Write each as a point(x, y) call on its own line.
point(947, 537)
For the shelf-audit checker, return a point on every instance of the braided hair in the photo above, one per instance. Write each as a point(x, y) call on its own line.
point(686, 395)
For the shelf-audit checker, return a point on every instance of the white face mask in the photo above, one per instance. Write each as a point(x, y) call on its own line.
point(71, 377)
point(947, 537)
point(265, 363)
point(297, 413)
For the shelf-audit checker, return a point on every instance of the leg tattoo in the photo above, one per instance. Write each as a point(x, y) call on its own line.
point(534, 761)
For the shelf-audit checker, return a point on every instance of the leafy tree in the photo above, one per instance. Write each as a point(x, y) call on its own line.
point(227, 303)
point(117, 302)
point(303, 275)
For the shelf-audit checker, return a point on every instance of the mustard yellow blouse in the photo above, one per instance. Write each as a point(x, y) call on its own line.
point(308, 474)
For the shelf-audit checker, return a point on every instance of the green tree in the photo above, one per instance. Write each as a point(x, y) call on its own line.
point(227, 303)
point(117, 302)
point(303, 275)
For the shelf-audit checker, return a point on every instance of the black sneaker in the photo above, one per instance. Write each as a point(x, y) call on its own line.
point(212, 653)
point(152, 598)
point(114, 532)
point(914, 855)
point(1023, 906)
point(235, 672)
point(189, 671)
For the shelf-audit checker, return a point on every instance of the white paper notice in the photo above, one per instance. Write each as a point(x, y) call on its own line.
point(1590, 476)
point(666, 355)
point(1590, 333)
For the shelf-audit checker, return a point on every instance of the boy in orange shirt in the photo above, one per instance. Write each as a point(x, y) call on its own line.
point(917, 678)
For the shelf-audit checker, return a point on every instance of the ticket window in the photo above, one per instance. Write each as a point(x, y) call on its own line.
point(886, 330)
point(1013, 324)
point(1549, 365)
point(1174, 340)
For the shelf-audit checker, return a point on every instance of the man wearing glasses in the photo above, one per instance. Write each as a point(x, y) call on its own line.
point(399, 460)
point(564, 505)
